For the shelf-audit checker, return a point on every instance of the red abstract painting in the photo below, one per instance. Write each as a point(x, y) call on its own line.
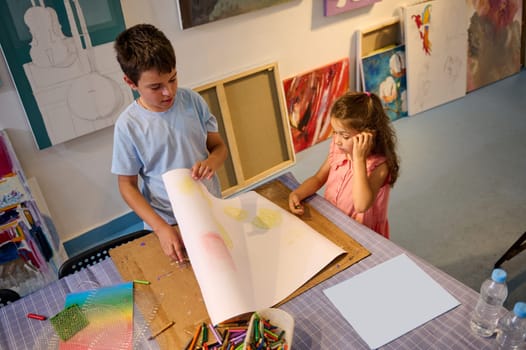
point(309, 97)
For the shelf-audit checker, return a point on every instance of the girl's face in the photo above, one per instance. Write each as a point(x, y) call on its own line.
point(342, 135)
point(157, 90)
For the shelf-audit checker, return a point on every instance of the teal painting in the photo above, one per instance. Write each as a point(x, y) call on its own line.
point(61, 59)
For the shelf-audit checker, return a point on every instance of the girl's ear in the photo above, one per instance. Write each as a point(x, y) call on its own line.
point(129, 82)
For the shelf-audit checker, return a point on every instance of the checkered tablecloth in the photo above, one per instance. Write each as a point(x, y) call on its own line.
point(17, 331)
point(318, 324)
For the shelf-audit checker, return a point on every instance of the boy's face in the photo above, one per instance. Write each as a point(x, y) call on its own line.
point(157, 90)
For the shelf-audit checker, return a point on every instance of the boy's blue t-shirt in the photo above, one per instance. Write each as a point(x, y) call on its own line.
point(149, 144)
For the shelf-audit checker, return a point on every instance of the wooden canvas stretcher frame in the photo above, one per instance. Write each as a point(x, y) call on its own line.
point(252, 119)
point(176, 290)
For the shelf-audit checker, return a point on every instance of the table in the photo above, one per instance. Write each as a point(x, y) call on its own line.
point(319, 325)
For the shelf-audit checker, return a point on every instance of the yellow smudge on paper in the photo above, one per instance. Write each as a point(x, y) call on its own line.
point(187, 185)
point(267, 218)
point(236, 213)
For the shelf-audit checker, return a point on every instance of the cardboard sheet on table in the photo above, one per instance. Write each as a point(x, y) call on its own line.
point(181, 296)
point(172, 295)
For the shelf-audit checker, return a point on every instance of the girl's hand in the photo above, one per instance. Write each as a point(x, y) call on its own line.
point(203, 170)
point(362, 145)
point(295, 204)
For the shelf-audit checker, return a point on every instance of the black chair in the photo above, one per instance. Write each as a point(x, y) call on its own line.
point(8, 296)
point(96, 254)
point(515, 249)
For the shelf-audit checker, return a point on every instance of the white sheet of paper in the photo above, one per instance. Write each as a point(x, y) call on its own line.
point(389, 300)
point(246, 252)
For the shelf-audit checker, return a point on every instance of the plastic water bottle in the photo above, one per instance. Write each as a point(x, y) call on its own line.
point(493, 292)
point(511, 329)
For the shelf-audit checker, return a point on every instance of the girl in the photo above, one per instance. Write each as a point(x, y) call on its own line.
point(362, 164)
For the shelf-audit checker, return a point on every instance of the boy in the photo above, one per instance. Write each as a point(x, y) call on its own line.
point(165, 128)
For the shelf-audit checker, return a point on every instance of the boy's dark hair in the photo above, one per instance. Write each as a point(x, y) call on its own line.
point(141, 48)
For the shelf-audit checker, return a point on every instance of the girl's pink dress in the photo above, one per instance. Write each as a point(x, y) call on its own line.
point(338, 191)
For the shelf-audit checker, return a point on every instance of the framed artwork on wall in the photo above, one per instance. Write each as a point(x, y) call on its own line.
point(193, 13)
point(309, 97)
point(60, 55)
point(334, 7)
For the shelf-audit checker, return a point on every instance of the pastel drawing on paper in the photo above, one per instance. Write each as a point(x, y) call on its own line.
point(247, 253)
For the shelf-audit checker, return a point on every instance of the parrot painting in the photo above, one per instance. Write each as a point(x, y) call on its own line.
point(423, 23)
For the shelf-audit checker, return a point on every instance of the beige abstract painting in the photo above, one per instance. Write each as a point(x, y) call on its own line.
point(494, 40)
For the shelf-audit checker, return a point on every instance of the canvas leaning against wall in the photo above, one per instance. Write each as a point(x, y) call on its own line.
point(436, 44)
point(60, 55)
point(309, 97)
point(193, 13)
point(494, 41)
point(384, 74)
point(334, 7)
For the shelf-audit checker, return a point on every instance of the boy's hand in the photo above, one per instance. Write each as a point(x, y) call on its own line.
point(202, 170)
point(172, 244)
point(295, 204)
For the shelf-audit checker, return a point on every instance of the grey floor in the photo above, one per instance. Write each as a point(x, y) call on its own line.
point(460, 201)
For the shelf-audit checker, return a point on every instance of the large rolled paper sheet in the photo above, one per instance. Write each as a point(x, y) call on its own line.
point(247, 253)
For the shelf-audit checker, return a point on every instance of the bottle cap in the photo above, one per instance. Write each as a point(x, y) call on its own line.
point(520, 309)
point(499, 275)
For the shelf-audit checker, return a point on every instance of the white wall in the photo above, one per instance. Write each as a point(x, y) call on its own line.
point(75, 176)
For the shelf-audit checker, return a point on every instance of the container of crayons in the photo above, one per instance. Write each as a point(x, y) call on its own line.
point(270, 329)
point(262, 330)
